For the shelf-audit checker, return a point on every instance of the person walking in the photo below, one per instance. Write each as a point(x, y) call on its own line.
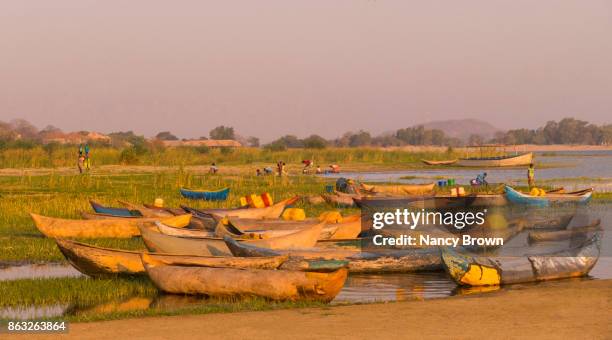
point(87, 160)
point(81, 158)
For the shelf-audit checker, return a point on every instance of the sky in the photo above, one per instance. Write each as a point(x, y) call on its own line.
point(270, 68)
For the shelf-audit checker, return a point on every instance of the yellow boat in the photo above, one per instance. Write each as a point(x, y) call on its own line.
point(400, 189)
point(111, 228)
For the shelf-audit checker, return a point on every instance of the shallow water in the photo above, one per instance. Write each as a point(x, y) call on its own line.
point(37, 271)
point(574, 170)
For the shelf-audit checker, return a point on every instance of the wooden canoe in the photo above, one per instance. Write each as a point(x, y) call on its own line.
point(271, 212)
point(217, 195)
point(510, 160)
point(561, 235)
point(229, 282)
point(447, 162)
point(158, 242)
point(146, 212)
point(517, 197)
point(113, 228)
point(350, 227)
point(384, 261)
point(399, 189)
point(341, 200)
point(112, 211)
point(103, 262)
point(489, 271)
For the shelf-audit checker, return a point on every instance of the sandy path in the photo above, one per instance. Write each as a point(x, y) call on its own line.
point(560, 310)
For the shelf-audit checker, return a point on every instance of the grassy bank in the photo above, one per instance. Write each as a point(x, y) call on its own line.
point(66, 156)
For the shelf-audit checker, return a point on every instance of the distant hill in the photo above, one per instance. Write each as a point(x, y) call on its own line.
point(463, 128)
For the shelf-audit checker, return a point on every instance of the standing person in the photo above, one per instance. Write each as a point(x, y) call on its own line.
point(81, 158)
point(531, 176)
point(279, 168)
point(87, 160)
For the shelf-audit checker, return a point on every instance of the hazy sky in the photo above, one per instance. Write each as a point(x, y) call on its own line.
point(275, 67)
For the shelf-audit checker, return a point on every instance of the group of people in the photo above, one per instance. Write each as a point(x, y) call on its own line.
point(308, 164)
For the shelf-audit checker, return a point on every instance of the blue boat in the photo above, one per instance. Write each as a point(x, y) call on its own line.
point(579, 197)
point(219, 195)
point(112, 211)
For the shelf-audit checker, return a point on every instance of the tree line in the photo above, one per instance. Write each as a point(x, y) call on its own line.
point(20, 133)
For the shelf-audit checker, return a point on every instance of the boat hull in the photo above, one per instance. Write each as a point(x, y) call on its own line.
point(518, 160)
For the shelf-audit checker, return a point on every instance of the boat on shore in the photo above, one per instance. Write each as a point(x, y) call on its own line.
point(398, 189)
point(213, 246)
point(500, 161)
point(110, 228)
point(272, 212)
point(112, 211)
point(566, 234)
point(278, 285)
point(471, 270)
point(517, 197)
point(217, 195)
point(383, 261)
point(104, 262)
point(446, 162)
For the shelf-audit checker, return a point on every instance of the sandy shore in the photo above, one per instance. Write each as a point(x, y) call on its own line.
point(560, 310)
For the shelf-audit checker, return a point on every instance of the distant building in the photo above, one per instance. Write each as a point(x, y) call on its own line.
point(211, 143)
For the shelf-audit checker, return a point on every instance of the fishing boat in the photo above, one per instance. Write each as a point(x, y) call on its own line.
point(517, 197)
point(382, 261)
point(340, 199)
point(219, 195)
point(271, 212)
point(349, 228)
point(113, 227)
point(158, 242)
point(112, 211)
point(500, 161)
point(103, 262)
point(230, 282)
point(489, 271)
point(446, 162)
point(148, 212)
point(399, 189)
point(567, 234)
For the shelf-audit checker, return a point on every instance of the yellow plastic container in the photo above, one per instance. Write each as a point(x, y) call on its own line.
point(294, 214)
point(330, 217)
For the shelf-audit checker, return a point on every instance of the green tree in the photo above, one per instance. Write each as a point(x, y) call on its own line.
point(222, 132)
point(315, 142)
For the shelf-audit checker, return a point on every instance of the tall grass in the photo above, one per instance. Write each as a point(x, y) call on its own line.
point(66, 156)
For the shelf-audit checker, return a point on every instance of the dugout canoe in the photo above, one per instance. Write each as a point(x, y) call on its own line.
point(112, 211)
point(383, 261)
point(207, 195)
point(340, 199)
point(502, 161)
point(104, 262)
point(111, 228)
point(561, 235)
point(158, 242)
point(399, 189)
point(271, 212)
point(147, 212)
point(469, 270)
point(446, 162)
point(237, 283)
point(516, 197)
point(349, 228)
